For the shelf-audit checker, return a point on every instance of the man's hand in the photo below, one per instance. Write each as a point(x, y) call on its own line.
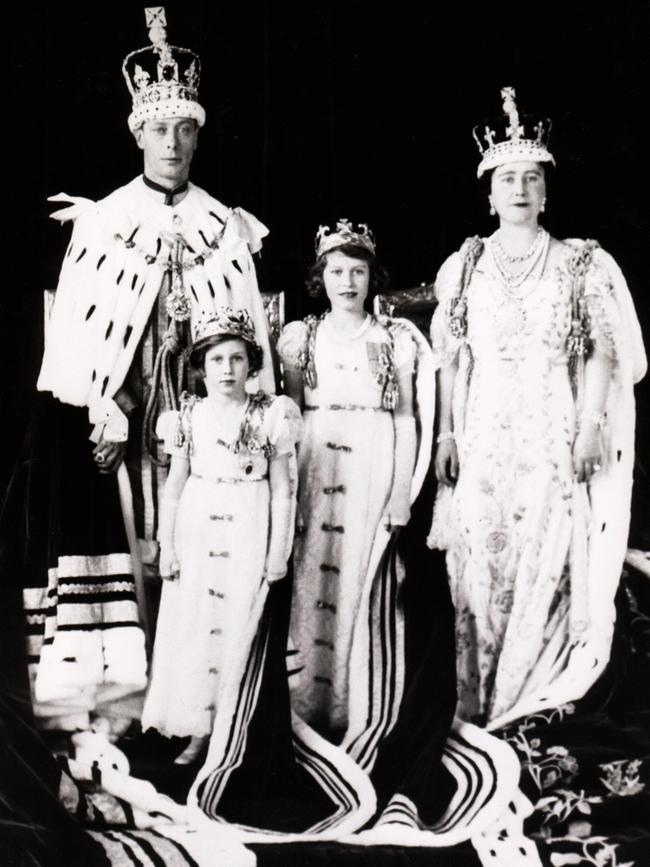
point(108, 456)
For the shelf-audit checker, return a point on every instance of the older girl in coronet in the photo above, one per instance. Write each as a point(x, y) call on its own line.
point(354, 376)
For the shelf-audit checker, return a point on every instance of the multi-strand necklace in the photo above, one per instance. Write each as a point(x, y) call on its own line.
point(535, 254)
point(512, 318)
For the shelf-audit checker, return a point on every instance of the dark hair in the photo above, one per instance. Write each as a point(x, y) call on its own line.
point(254, 352)
point(485, 181)
point(378, 274)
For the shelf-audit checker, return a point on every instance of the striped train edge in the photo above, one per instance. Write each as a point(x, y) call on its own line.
point(173, 846)
point(487, 805)
point(377, 649)
point(485, 768)
point(335, 773)
point(348, 788)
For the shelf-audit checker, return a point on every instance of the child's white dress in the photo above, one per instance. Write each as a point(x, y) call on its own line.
point(221, 537)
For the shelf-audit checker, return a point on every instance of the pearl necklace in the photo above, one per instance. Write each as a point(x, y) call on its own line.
point(515, 280)
point(512, 260)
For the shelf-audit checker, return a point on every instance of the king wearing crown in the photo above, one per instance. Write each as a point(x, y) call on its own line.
point(143, 267)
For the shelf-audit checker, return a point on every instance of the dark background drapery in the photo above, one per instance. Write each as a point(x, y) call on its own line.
point(326, 109)
point(319, 110)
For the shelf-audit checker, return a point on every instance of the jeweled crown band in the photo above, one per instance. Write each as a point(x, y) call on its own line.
point(226, 321)
point(345, 233)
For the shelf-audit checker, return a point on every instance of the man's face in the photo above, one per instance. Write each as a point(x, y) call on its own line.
point(168, 144)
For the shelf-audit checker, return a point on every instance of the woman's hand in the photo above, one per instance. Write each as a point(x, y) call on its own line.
point(169, 566)
point(587, 452)
point(446, 462)
point(108, 455)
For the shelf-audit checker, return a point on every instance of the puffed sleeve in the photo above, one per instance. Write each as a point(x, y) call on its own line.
point(444, 344)
point(603, 314)
point(405, 349)
point(283, 424)
point(292, 344)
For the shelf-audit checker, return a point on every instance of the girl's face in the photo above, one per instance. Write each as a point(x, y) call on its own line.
point(225, 368)
point(346, 281)
point(517, 191)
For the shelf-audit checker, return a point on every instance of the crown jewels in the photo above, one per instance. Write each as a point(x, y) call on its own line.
point(226, 321)
point(346, 232)
point(163, 80)
point(512, 137)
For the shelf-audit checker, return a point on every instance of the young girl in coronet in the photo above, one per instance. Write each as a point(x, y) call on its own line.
point(224, 528)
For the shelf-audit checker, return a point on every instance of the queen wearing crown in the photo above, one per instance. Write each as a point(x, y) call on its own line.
point(537, 348)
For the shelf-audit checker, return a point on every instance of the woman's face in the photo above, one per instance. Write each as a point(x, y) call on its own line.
point(225, 368)
point(518, 191)
point(346, 281)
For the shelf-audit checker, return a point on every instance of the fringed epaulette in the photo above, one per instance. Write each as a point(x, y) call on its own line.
point(470, 252)
point(578, 264)
point(385, 375)
point(183, 433)
point(306, 356)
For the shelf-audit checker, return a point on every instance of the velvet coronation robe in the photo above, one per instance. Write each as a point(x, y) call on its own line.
point(106, 325)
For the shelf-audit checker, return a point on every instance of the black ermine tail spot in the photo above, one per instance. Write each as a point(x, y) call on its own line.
point(91, 310)
point(104, 386)
point(237, 266)
point(108, 330)
point(218, 219)
point(127, 334)
point(211, 288)
point(227, 282)
point(119, 277)
point(134, 281)
point(81, 255)
point(101, 261)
